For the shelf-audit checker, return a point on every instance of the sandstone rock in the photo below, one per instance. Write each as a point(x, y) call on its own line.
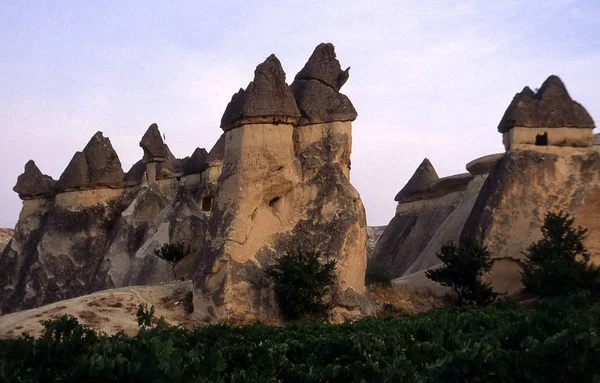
point(324, 67)
point(316, 89)
point(154, 148)
point(550, 107)
point(267, 99)
point(373, 235)
point(418, 183)
point(197, 162)
point(521, 188)
point(32, 183)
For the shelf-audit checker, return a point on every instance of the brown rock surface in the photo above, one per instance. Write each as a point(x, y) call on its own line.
point(521, 188)
point(418, 183)
point(5, 237)
point(32, 183)
point(267, 99)
point(550, 107)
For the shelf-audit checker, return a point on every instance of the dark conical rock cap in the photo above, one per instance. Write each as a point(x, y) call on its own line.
point(153, 145)
point(75, 175)
point(550, 107)
point(33, 183)
point(97, 165)
point(316, 89)
point(267, 99)
point(197, 162)
point(135, 174)
point(324, 66)
point(423, 176)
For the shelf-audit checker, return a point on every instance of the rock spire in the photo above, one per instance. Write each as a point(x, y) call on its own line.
point(155, 149)
point(32, 183)
point(423, 176)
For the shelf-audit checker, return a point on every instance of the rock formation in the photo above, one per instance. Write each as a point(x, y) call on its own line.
point(551, 164)
point(32, 183)
point(284, 184)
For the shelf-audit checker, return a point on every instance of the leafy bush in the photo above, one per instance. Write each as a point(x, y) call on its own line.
point(377, 274)
point(463, 267)
point(558, 263)
point(301, 283)
point(172, 253)
point(144, 316)
point(503, 342)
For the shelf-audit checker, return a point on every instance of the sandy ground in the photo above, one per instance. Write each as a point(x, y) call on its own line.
point(5, 236)
point(109, 310)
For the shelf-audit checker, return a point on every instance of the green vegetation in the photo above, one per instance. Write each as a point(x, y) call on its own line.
point(558, 263)
point(502, 342)
point(172, 253)
point(377, 274)
point(301, 283)
point(144, 316)
point(463, 267)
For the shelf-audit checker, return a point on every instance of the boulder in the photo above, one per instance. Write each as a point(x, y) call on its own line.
point(75, 175)
point(324, 67)
point(32, 183)
point(550, 107)
point(135, 175)
point(152, 143)
point(267, 99)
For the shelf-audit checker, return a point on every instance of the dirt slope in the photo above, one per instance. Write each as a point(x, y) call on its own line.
point(109, 310)
point(5, 236)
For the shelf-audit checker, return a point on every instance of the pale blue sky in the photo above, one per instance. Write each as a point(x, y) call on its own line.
point(428, 78)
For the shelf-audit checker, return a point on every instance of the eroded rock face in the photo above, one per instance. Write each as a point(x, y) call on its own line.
point(267, 99)
point(551, 106)
point(521, 188)
point(32, 183)
point(197, 162)
point(423, 176)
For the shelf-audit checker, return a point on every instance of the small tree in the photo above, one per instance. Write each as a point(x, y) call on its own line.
point(172, 253)
point(463, 267)
point(558, 263)
point(377, 274)
point(301, 282)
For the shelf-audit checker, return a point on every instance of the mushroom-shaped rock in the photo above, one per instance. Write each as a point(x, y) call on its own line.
point(32, 183)
point(550, 107)
point(75, 175)
point(267, 99)
point(418, 183)
point(197, 162)
point(316, 89)
point(153, 145)
point(104, 166)
point(324, 66)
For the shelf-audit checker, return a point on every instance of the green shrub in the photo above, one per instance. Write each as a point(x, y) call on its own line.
point(172, 253)
point(301, 283)
point(463, 267)
point(377, 274)
point(145, 316)
point(558, 263)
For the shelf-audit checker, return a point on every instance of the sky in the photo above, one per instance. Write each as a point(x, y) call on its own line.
point(428, 78)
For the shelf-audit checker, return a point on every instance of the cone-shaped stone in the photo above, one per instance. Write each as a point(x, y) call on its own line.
point(153, 145)
point(323, 66)
point(316, 89)
point(33, 183)
point(550, 107)
point(75, 175)
point(267, 99)
point(104, 166)
point(197, 162)
point(423, 176)
point(136, 173)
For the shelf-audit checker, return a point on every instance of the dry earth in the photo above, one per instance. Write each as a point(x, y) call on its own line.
point(5, 236)
point(109, 310)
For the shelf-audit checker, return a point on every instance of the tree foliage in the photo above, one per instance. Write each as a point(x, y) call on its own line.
point(463, 267)
point(558, 263)
point(172, 253)
point(377, 274)
point(301, 284)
